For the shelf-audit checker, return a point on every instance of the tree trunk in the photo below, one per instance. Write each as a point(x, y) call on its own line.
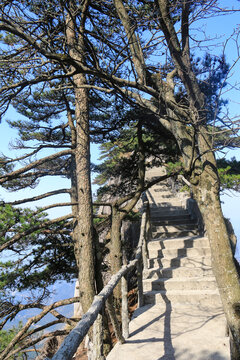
point(206, 185)
point(206, 192)
point(116, 249)
point(84, 238)
point(84, 248)
point(107, 341)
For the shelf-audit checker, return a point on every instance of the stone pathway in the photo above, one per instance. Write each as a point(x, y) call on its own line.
point(182, 318)
point(187, 332)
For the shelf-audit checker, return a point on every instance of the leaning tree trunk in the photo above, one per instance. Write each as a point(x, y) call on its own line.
point(206, 185)
point(206, 192)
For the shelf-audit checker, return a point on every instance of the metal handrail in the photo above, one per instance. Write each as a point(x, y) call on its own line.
point(72, 341)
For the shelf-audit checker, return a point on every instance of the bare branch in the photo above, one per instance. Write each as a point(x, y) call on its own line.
point(39, 197)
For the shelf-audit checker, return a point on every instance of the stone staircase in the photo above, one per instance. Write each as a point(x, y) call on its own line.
point(179, 258)
point(182, 318)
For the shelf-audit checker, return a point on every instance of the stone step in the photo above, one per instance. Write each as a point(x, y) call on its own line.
point(201, 297)
point(155, 172)
point(196, 283)
point(167, 212)
point(155, 217)
point(180, 233)
point(160, 190)
point(167, 195)
point(170, 203)
point(189, 262)
point(179, 243)
point(177, 272)
point(183, 220)
point(176, 253)
point(172, 228)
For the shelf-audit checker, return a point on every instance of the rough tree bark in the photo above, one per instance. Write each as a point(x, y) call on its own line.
point(83, 232)
point(206, 192)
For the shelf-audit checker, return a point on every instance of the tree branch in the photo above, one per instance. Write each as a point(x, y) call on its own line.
point(43, 225)
point(33, 320)
point(34, 164)
point(39, 197)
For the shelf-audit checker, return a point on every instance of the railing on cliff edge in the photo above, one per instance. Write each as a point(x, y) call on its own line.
point(94, 315)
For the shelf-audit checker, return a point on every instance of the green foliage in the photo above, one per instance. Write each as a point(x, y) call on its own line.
point(5, 167)
point(174, 166)
point(6, 336)
point(40, 256)
point(229, 173)
point(212, 72)
point(185, 188)
point(16, 220)
point(119, 170)
point(133, 216)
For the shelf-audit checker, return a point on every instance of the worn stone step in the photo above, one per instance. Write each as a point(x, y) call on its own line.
point(180, 261)
point(184, 220)
point(155, 217)
point(175, 253)
point(172, 228)
point(180, 213)
point(165, 203)
point(155, 173)
point(180, 233)
point(167, 212)
point(159, 191)
point(177, 272)
point(201, 297)
point(159, 194)
point(179, 243)
point(160, 188)
point(196, 283)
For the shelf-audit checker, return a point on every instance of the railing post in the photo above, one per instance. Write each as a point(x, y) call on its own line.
point(125, 318)
point(143, 239)
point(98, 338)
point(140, 283)
point(114, 320)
